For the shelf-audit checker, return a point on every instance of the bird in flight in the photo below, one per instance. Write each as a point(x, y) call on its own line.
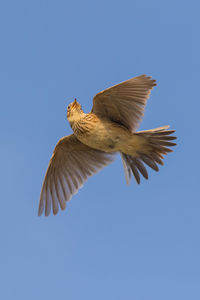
point(108, 129)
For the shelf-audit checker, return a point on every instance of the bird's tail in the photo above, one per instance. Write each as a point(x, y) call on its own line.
point(154, 144)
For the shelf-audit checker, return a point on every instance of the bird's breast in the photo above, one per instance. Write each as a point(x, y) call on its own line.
point(101, 134)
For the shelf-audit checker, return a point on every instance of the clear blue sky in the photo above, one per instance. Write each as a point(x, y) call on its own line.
point(114, 241)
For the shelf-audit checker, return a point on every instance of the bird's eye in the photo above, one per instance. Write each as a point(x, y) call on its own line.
point(68, 107)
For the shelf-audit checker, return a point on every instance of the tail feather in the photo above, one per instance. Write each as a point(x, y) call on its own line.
point(127, 169)
point(156, 145)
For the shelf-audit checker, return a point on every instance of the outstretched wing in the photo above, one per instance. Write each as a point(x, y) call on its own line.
point(124, 103)
point(70, 166)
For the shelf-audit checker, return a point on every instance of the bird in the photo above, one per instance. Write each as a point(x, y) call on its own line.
point(97, 137)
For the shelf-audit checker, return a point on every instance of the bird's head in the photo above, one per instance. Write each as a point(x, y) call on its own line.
point(74, 112)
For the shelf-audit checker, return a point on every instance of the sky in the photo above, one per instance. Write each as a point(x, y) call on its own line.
point(113, 241)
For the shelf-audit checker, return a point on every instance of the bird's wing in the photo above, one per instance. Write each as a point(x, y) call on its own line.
point(125, 102)
point(71, 164)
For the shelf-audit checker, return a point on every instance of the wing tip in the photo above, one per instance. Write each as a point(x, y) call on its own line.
point(149, 78)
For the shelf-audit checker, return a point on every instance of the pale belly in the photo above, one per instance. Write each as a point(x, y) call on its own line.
point(106, 136)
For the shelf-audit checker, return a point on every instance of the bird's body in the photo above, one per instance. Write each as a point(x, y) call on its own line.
point(108, 129)
point(101, 134)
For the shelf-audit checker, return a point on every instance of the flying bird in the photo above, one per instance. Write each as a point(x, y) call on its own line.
point(108, 129)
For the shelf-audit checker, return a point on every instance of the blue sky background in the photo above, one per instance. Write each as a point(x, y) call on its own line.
point(114, 241)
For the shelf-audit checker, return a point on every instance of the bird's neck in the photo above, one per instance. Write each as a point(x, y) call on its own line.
point(76, 118)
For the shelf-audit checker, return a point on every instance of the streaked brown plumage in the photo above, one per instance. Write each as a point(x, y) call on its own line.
point(108, 129)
